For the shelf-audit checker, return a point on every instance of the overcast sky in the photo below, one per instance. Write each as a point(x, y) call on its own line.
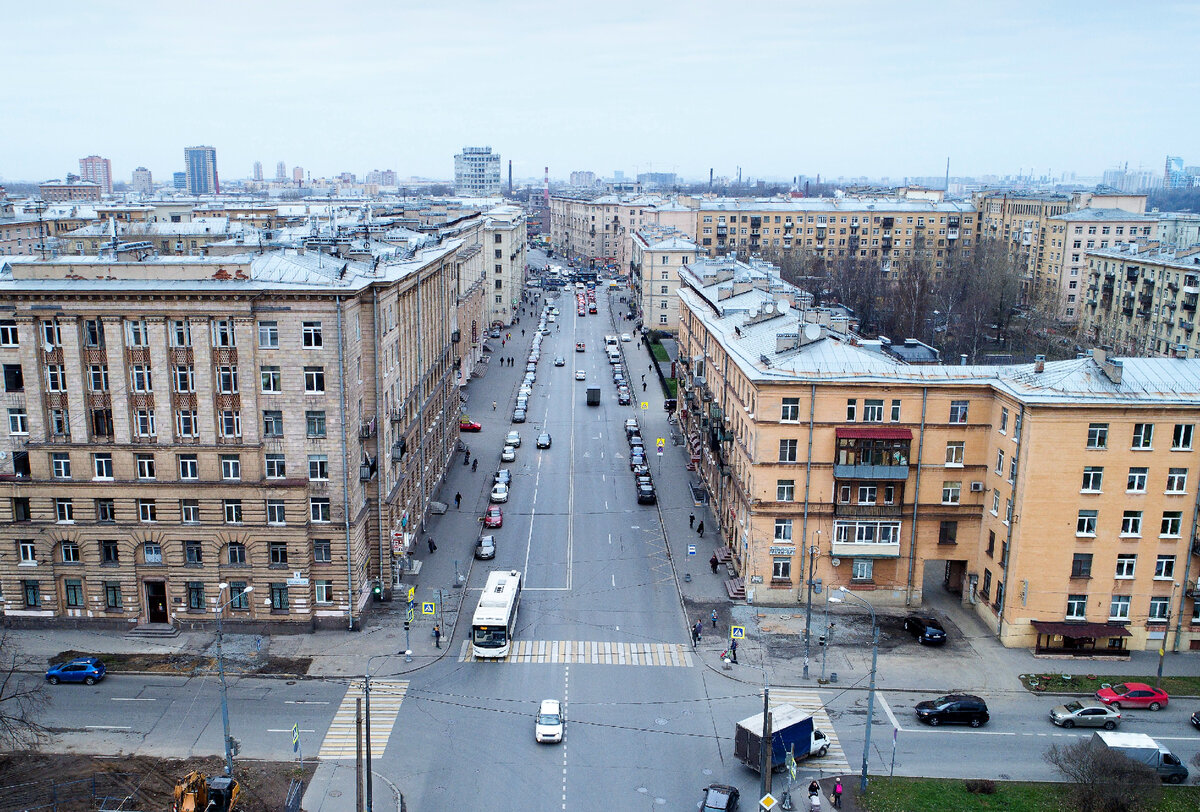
point(850, 87)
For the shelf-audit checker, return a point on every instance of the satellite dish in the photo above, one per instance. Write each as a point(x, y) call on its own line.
point(812, 331)
point(837, 562)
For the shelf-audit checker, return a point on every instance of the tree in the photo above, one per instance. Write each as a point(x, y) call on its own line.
point(1104, 780)
point(858, 284)
point(22, 700)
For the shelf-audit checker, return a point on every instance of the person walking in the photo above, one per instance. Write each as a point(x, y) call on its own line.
point(432, 546)
point(700, 529)
point(733, 650)
point(643, 386)
point(696, 631)
point(712, 562)
point(714, 618)
point(691, 520)
point(458, 501)
point(493, 405)
point(437, 636)
point(474, 465)
point(837, 794)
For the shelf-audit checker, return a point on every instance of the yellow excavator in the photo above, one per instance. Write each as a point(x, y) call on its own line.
point(198, 793)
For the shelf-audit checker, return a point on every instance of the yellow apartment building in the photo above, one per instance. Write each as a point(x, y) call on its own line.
point(658, 255)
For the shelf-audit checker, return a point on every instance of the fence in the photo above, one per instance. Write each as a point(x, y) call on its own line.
point(102, 791)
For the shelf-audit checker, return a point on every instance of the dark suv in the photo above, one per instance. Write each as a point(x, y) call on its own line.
point(719, 798)
point(925, 629)
point(953, 709)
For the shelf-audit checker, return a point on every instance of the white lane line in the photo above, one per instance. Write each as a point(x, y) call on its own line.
point(288, 730)
point(887, 709)
point(133, 699)
point(304, 702)
point(614, 579)
point(107, 727)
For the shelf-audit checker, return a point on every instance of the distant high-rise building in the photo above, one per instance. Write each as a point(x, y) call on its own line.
point(201, 166)
point(657, 178)
point(583, 178)
point(297, 174)
point(179, 180)
point(386, 177)
point(281, 171)
point(258, 170)
point(98, 170)
point(1174, 174)
point(477, 172)
point(143, 181)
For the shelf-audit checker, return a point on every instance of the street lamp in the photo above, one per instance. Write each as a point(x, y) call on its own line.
point(221, 587)
point(367, 710)
point(812, 560)
point(862, 784)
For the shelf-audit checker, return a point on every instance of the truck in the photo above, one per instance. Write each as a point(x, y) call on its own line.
point(792, 729)
point(1143, 749)
point(593, 396)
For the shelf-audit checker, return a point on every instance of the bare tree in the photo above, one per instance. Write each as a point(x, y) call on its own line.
point(910, 314)
point(1104, 780)
point(23, 698)
point(858, 284)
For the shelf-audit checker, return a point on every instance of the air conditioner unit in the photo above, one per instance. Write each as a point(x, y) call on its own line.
point(976, 487)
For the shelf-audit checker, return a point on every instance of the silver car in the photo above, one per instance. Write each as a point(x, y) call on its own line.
point(1085, 713)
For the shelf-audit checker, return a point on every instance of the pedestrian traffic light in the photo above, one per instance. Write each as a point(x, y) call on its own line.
point(406, 625)
point(377, 590)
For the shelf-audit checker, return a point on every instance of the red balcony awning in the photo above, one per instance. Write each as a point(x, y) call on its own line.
point(1080, 629)
point(874, 433)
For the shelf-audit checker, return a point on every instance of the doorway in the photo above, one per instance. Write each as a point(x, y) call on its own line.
point(156, 601)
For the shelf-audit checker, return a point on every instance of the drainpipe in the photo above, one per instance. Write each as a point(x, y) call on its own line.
point(345, 461)
point(1020, 441)
point(1187, 573)
point(812, 406)
point(380, 446)
point(912, 538)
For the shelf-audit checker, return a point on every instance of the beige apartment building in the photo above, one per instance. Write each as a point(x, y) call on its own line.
point(1058, 499)
point(504, 255)
point(279, 421)
point(602, 228)
point(658, 255)
point(1142, 301)
point(20, 233)
point(166, 238)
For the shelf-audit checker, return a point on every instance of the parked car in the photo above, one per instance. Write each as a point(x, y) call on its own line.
point(636, 459)
point(1085, 713)
point(646, 495)
point(953, 709)
point(1133, 695)
point(927, 630)
point(494, 517)
point(549, 724)
point(513, 438)
point(469, 425)
point(518, 416)
point(631, 426)
point(543, 440)
point(485, 548)
point(626, 337)
point(1196, 719)
point(719, 798)
point(88, 670)
point(499, 493)
point(580, 375)
point(623, 397)
point(502, 477)
point(509, 454)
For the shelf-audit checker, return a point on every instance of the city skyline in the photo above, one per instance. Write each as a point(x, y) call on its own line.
point(861, 89)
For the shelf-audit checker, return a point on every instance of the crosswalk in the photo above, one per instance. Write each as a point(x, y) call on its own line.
point(589, 652)
point(835, 760)
point(386, 698)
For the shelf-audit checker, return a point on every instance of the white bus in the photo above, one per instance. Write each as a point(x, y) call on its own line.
point(495, 618)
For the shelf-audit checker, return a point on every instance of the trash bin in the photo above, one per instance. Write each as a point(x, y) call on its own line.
point(833, 676)
point(687, 577)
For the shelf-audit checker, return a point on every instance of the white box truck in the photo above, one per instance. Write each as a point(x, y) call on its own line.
point(1142, 748)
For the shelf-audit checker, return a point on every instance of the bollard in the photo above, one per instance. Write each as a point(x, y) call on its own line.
point(687, 577)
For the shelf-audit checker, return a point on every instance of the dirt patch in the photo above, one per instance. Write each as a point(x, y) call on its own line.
point(187, 664)
point(29, 780)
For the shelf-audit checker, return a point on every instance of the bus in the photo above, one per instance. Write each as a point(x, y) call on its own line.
point(495, 619)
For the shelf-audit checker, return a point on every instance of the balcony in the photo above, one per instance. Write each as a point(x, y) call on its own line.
point(855, 549)
point(952, 233)
point(366, 428)
point(872, 452)
point(1189, 303)
point(853, 510)
point(1186, 326)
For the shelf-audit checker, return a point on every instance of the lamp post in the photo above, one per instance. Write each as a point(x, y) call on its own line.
point(1162, 649)
point(221, 671)
point(862, 784)
point(367, 712)
point(812, 561)
point(827, 629)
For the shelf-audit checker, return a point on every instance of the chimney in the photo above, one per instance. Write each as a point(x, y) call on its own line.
point(1039, 363)
point(1112, 370)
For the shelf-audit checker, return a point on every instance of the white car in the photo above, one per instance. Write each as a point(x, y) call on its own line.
point(551, 318)
point(513, 438)
point(525, 391)
point(548, 726)
point(626, 337)
point(499, 493)
point(509, 454)
point(580, 375)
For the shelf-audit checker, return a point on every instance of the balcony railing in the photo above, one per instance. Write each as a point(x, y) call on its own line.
point(897, 472)
point(853, 549)
point(853, 510)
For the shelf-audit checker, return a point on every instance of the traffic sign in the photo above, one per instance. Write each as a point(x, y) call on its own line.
point(691, 549)
point(737, 632)
point(768, 801)
point(645, 405)
point(295, 737)
point(412, 594)
point(427, 607)
point(409, 613)
point(660, 442)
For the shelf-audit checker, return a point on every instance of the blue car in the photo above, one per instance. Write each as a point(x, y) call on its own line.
point(88, 670)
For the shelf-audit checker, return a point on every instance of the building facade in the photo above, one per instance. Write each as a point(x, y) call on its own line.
point(143, 181)
point(477, 172)
point(57, 191)
point(658, 255)
point(200, 165)
point(601, 229)
point(504, 254)
point(98, 170)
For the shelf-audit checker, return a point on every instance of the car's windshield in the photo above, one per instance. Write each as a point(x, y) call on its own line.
point(490, 636)
point(548, 719)
point(1071, 707)
point(1120, 689)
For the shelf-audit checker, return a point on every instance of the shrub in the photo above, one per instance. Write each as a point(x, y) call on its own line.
point(981, 786)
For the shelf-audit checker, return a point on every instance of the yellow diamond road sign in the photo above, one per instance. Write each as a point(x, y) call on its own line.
point(767, 801)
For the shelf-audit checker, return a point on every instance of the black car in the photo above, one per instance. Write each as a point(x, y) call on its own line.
point(719, 798)
point(926, 629)
point(1196, 719)
point(646, 495)
point(953, 709)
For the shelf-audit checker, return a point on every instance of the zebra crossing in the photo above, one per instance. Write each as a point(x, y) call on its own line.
point(572, 652)
point(835, 760)
point(386, 698)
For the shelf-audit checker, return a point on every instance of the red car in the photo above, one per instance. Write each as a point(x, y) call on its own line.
point(1133, 695)
point(469, 425)
point(494, 517)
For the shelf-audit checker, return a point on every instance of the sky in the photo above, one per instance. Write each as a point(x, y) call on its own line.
point(776, 87)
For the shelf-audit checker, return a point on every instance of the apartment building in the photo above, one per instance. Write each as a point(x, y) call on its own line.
point(1069, 236)
point(1141, 300)
point(178, 239)
point(477, 172)
point(98, 170)
point(58, 191)
point(1058, 499)
point(1178, 230)
point(601, 229)
point(277, 420)
point(504, 245)
point(200, 166)
point(471, 311)
point(20, 233)
point(658, 255)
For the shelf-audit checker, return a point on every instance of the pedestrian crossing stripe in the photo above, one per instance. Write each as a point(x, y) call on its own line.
point(833, 761)
point(588, 652)
point(386, 698)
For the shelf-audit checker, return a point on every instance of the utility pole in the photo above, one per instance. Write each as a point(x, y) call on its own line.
point(367, 763)
point(812, 561)
point(358, 755)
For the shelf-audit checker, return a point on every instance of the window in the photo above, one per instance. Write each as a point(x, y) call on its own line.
point(867, 494)
point(310, 335)
point(951, 492)
point(1131, 523)
point(227, 380)
point(231, 467)
point(958, 411)
point(1000, 461)
point(1012, 469)
point(73, 593)
point(98, 377)
point(954, 453)
point(275, 468)
point(278, 553)
point(56, 378)
point(68, 552)
point(235, 554)
point(872, 411)
point(152, 553)
point(1126, 565)
point(231, 423)
point(851, 410)
point(279, 597)
point(189, 511)
point(991, 546)
point(145, 466)
point(106, 510)
point(862, 569)
point(189, 466)
point(1143, 436)
point(238, 599)
point(144, 425)
point(314, 380)
point(318, 510)
point(270, 379)
point(268, 335)
point(895, 411)
point(318, 467)
point(135, 333)
point(1172, 522)
point(1076, 607)
point(185, 423)
point(986, 589)
point(60, 465)
point(1181, 438)
point(781, 569)
point(783, 529)
point(1160, 609)
point(223, 334)
point(112, 595)
point(1093, 478)
point(28, 552)
point(51, 334)
point(140, 378)
point(1017, 426)
point(1097, 436)
point(275, 512)
point(322, 551)
point(272, 423)
point(785, 490)
point(1085, 523)
point(193, 553)
point(18, 421)
point(32, 592)
point(323, 591)
point(183, 379)
point(8, 333)
point(1136, 483)
point(787, 450)
point(196, 595)
point(948, 532)
point(147, 510)
point(181, 334)
point(1164, 567)
point(14, 378)
point(233, 511)
point(1081, 565)
point(995, 501)
point(1177, 480)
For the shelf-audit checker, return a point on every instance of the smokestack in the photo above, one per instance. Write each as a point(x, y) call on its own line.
point(510, 177)
point(547, 188)
point(946, 188)
point(710, 173)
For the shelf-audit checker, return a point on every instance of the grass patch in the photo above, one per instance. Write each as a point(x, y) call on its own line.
point(672, 388)
point(1090, 683)
point(951, 795)
point(186, 664)
point(660, 353)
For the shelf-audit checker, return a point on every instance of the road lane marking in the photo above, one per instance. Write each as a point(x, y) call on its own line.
point(134, 699)
point(809, 702)
point(386, 698)
point(304, 702)
point(675, 655)
point(107, 727)
point(888, 710)
point(302, 730)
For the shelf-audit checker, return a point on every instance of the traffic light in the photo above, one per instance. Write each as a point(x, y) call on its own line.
point(406, 625)
point(377, 591)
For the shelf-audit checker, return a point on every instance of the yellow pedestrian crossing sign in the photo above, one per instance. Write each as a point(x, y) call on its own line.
point(660, 442)
point(737, 632)
point(427, 607)
point(645, 405)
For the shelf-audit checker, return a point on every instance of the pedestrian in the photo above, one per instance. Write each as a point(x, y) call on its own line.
point(714, 618)
point(432, 546)
point(733, 650)
point(502, 342)
point(522, 332)
point(696, 630)
point(493, 405)
point(814, 792)
point(643, 386)
point(712, 562)
point(700, 528)
point(643, 379)
point(837, 794)
point(458, 501)
point(474, 465)
point(437, 636)
point(692, 522)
